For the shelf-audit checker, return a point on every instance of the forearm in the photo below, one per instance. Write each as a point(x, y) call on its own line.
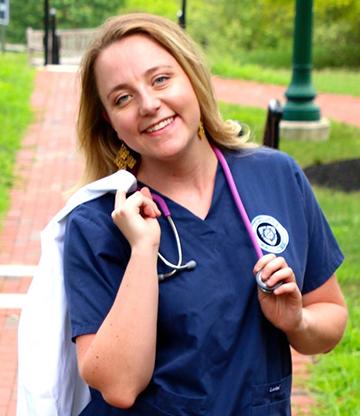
point(120, 360)
point(322, 327)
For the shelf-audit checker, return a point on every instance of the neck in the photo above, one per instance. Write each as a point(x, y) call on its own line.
point(187, 179)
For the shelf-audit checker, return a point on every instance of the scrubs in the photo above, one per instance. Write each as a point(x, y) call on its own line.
point(217, 355)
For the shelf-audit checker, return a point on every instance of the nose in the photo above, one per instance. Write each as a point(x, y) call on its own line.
point(149, 103)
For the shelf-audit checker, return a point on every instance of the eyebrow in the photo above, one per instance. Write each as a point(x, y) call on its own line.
point(147, 73)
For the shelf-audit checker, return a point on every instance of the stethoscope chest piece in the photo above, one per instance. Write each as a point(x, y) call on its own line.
point(263, 286)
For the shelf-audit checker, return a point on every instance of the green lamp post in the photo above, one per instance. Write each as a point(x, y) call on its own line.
point(301, 93)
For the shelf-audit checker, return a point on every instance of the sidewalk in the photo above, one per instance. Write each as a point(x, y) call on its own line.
point(342, 108)
point(47, 165)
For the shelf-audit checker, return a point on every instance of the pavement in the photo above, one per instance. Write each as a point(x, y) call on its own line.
point(47, 165)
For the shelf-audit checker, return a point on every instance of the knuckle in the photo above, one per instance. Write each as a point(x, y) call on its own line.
point(118, 213)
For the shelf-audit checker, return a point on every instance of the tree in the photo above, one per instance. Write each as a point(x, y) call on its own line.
point(69, 14)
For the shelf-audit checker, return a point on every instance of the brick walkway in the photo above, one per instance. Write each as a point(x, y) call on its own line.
point(47, 165)
point(342, 108)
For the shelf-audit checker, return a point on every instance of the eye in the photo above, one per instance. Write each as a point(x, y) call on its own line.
point(161, 79)
point(122, 100)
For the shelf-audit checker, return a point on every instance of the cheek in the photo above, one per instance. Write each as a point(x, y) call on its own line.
point(123, 125)
point(193, 104)
point(187, 102)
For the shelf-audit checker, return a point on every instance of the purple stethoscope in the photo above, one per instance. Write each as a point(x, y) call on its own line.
point(240, 206)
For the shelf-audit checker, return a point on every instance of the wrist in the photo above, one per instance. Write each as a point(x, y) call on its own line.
point(145, 249)
point(301, 327)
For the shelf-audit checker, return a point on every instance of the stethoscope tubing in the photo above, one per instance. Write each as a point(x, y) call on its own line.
point(243, 214)
point(175, 267)
point(240, 206)
point(238, 202)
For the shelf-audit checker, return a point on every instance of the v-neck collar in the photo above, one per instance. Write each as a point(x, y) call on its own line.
point(180, 211)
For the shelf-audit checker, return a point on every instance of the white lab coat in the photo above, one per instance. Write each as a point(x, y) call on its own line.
point(48, 379)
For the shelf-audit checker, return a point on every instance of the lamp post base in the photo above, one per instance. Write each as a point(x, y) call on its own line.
point(305, 130)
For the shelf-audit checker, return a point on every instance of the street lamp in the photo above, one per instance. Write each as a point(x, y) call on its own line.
point(301, 93)
point(46, 32)
point(182, 15)
point(55, 46)
point(301, 116)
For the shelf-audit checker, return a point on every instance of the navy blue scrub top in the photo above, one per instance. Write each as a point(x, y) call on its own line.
point(216, 353)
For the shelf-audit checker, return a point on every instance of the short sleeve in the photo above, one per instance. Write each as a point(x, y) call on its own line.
point(323, 255)
point(95, 257)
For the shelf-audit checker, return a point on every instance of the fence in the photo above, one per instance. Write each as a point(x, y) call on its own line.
point(73, 42)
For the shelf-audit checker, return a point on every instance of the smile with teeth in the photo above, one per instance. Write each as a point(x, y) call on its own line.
point(160, 125)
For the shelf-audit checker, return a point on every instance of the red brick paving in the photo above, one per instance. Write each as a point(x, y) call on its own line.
point(8, 354)
point(338, 107)
point(47, 165)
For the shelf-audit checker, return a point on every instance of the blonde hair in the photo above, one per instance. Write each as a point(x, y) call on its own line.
point(97, 139)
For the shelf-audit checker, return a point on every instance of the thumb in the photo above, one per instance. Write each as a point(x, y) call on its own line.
point(120, 198)
point(151, 210)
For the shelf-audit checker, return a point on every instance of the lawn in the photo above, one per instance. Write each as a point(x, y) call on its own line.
point(337, 81)
point(16, 83)
point(335, 379)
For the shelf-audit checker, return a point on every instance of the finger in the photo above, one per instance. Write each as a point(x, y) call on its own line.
point(263, 261)
point(146, 191)
point(284, 275)
point(150, 210)
point(143, 204)
point(120, 198)
point(126, 207)
point(288, 289)
point(274, 265)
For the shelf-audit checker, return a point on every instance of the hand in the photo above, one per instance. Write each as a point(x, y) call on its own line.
point(136, 217)
point(283, 308)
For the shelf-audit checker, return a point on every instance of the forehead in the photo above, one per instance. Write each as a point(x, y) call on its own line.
point(136, 53)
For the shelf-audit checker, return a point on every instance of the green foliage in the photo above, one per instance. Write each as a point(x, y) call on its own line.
point(335, 80)
point(69, 14)
point(16, 81)
point(260, 29)
point(167, 8)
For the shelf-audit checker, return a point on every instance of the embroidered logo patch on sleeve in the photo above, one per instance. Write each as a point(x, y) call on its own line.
point(271, 235)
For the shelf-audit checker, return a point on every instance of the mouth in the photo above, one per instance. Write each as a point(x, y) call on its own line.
point(160, 125)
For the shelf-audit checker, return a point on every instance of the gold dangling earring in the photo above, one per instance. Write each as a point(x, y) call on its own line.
point(201, 131)
point(124, 159)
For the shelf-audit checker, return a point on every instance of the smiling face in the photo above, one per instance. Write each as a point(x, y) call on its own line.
point(148, 98)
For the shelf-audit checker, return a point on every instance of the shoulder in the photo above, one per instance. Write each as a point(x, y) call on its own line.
point(97, 211)
point(90, 225)
point(262, 160)
point(258, 154)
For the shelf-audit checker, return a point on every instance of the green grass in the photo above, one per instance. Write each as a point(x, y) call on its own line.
point(336, 81)
point(335, 379)
point(344, 141)
point(16, 82)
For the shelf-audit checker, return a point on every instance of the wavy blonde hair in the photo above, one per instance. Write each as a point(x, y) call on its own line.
point(97, 140)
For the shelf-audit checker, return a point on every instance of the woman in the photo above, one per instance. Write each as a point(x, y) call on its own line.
point(206, 341)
